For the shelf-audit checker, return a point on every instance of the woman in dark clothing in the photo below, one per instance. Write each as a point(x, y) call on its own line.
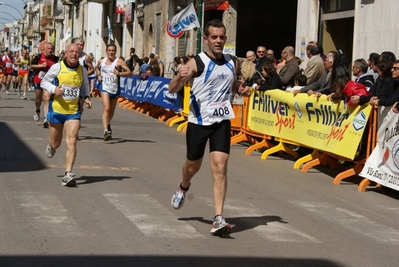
point(383, 91)
point(269, 79)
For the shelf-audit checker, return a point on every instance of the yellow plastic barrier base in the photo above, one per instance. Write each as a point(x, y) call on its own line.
point(315, 154)
point(182, 127)
point(258, 145)
point(175, 119)
point(324, 159)
point(280, 147)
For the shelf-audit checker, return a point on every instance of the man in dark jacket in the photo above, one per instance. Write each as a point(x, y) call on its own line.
point(290, 69)
point(359, 70)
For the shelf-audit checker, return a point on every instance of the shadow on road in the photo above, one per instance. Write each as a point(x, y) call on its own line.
point(15, 156)
point(164, 261)
point(97, 179)
point(10, 107)
point(114, 140)
point(241, 223)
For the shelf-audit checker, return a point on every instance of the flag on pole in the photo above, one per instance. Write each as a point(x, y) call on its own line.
point(110, 35)
point(183, 21)
point(53, 37)
point(67, 35)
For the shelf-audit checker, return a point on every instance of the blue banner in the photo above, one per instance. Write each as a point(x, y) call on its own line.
point(153, 90)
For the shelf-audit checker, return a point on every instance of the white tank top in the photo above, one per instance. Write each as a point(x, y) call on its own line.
point(110, 80)
point(82, 60)
point(212, 88)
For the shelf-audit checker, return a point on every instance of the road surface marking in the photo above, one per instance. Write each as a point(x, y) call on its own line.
point(42, 214)
point(152, 218)
point(265, 225)
point(352, 221)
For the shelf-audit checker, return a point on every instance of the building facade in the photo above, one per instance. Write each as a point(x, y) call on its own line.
point(355, 27)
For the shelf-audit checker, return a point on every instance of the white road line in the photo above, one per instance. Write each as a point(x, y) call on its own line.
point(42, 214)
point(152, 218)
point(265, 225)
point(353, 221)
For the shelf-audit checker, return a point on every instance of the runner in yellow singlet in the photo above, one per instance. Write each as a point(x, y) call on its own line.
point(66, 81)
point(23, 71)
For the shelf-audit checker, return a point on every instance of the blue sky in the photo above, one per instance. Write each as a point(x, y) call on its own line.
point(7, 13)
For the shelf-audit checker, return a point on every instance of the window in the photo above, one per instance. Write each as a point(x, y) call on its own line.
point(330, 6)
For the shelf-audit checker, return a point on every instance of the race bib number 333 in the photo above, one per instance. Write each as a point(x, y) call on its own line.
point(70, 92)
point(220, 111)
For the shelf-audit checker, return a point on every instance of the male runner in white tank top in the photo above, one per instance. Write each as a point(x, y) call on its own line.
point(213, 83)
point(85, 61)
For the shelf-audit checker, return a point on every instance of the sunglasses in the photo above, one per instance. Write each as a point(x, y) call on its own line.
point(261, 51)
point(395, 68)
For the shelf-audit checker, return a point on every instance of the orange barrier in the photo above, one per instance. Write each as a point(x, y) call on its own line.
point(366, 182)
point(256, 140)
point(237, 122)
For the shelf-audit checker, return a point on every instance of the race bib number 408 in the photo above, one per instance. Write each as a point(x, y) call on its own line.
point(220, 111)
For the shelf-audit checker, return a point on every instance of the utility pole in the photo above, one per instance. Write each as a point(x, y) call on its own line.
point(199, 31)
point(73, 18)
point(111, 20)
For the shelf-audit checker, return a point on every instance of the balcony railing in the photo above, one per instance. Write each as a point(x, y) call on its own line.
point(46, 21)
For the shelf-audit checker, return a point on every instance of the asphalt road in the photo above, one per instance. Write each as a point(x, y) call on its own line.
point(119, 213)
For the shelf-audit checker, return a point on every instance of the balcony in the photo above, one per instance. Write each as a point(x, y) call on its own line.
point(31, 32)
point(46, 21)
point(46, 11)
point(59, 19)
point(100, 1)
point(72, 2)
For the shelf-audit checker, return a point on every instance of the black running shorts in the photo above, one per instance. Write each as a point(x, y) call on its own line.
point(197, 136)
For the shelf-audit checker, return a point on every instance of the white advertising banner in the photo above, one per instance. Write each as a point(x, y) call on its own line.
point(382, 166)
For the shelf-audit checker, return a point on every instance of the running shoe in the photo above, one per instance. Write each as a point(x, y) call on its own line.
point(50, 151)
point(68, 179)
point(36, 116)
point(220, 226)
point(7, 92)
point(45, 123)
point(107, 135)
point(177, 200)
point(24, 97)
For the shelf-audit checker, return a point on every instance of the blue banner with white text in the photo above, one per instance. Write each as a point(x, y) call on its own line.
point(153, 90)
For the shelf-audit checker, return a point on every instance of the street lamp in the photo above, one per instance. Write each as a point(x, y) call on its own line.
point(9, 15)
point(9, 21)
point(2, 4)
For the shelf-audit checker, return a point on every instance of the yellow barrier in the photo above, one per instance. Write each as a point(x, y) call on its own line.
point(183, 115)
point(317, 157)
